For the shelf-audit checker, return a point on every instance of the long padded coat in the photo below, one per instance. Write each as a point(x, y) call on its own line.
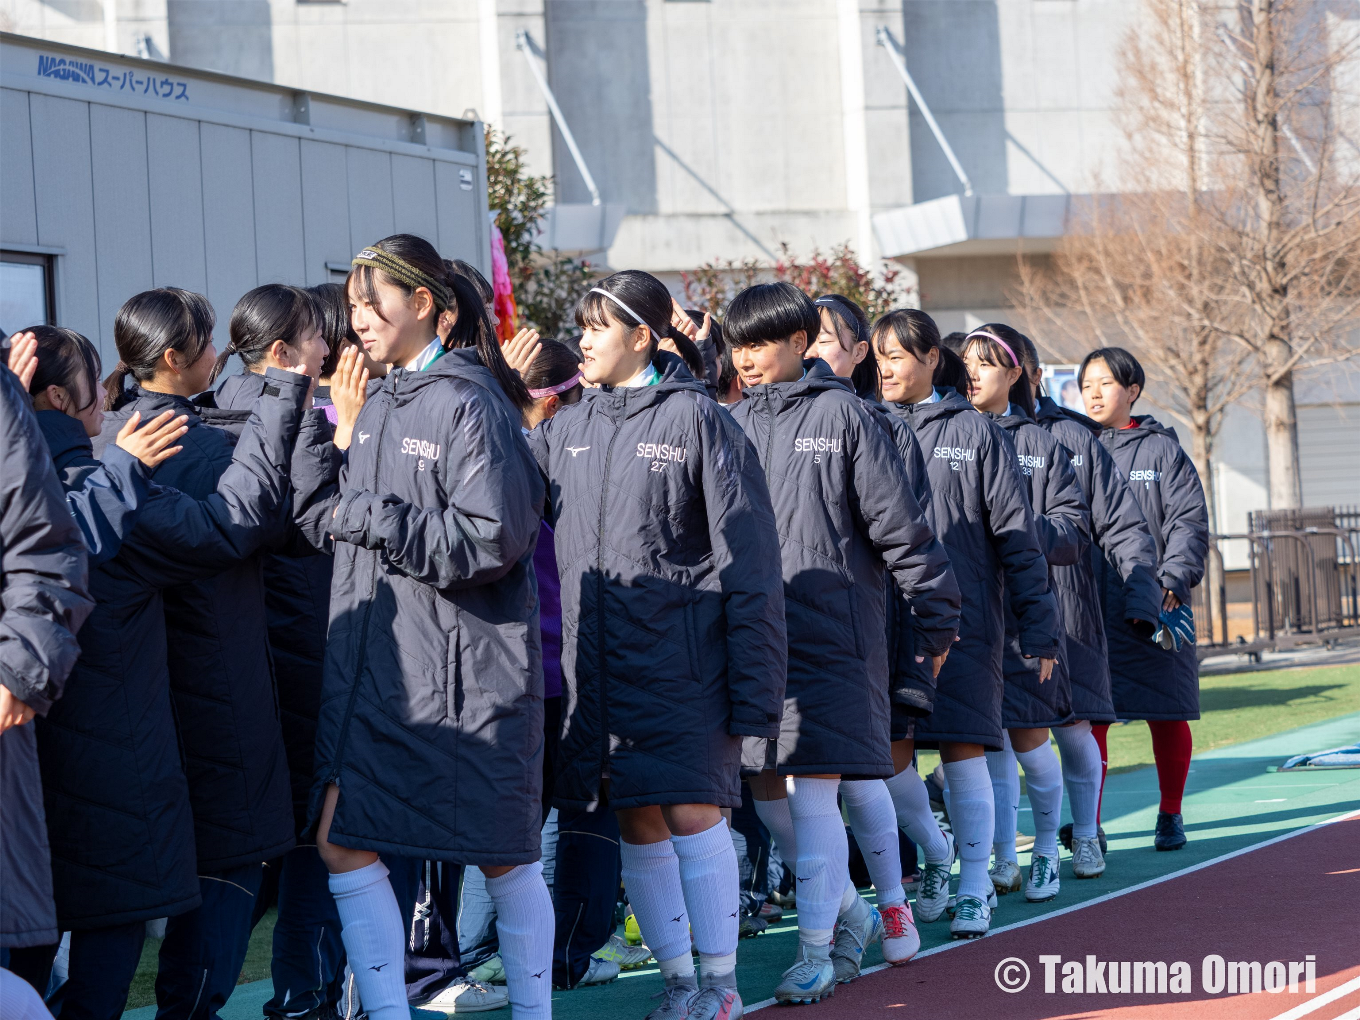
point(1149, 682)
point(221, 676)
point(43, 574)
point(673, 639)
point(980, 512)
point(910, 699)
point(1063, 523)
point(431, 719)
point(1120, 543)
point(297, 580)
point(846, 515)
point(118, 810)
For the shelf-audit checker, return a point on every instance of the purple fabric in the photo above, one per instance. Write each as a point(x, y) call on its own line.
point(549, 611)
point(332, 414)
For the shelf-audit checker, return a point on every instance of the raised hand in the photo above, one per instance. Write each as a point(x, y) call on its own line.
point(349, 391)
point(151, 444)
point(23, 358)
point(521, 351)
point(680, 320)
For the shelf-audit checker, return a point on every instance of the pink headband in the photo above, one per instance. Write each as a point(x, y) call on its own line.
point(562, 387)
point(992, 336)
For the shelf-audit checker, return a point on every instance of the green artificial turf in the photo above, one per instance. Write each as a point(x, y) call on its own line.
point(143, 990)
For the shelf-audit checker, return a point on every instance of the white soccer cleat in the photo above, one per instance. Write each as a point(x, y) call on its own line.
point(933, 896)
point(1006, 877)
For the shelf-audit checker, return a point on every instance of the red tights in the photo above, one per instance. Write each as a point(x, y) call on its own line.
point(1171, 749)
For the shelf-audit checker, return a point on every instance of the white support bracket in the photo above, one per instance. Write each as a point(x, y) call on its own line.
point(884, 38)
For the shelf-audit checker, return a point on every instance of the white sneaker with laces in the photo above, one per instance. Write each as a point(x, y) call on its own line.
point(466, 996)
point(675, 999)
point(717, 999)
point(1087, 860)
point(901, 940)
point(933, 896)
point(1006, 876)
point(852, 937)
point(972, 918)
point(1043, 882)
point(811, 977)
point(600, 972)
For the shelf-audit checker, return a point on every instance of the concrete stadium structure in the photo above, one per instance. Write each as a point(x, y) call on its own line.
point(720, 128)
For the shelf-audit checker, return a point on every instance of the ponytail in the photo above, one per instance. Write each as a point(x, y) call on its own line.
point(148, 325)
point(950, 372)
point(265, 314)
point(472, 328)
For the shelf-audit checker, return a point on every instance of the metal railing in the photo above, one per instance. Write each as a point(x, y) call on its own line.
point(1304, 582)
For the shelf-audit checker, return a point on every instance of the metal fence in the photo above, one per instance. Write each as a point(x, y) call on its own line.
point(1304, 582)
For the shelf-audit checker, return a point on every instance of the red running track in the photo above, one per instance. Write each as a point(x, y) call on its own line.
point(1281, 902)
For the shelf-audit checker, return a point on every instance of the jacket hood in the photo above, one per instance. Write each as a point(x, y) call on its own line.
point(65, 436)
point(817, 377)
point(1145, 425)
point(1051, 410)
point(460, 363)
point(951, 402)
point(675, 378)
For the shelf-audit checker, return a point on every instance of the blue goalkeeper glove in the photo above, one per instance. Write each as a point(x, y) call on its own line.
point(1176, 628)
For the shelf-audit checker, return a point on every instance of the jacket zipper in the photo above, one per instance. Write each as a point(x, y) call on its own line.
point(368, 608)
point(769, 438)
point(599, 602)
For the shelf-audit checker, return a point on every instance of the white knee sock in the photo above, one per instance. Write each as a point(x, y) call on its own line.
point(524, 925)
point(1081, 775)
point(651, 875)
point(774, 815)
point(708, 874)
point(1006, 798)
point(823, 856)
point(1044, 784)
point(973, 816)
point(375, 939)
point(874, 823)
point(911, 801)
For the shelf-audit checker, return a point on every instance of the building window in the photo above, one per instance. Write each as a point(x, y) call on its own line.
point(25, 291)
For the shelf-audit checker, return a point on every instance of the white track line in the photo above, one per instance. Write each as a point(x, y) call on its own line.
point(1350, 1014)
point(1318, 1001)
point(1335, 993)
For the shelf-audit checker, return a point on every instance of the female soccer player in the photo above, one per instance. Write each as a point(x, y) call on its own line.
point(672, 627)
point(999, 387)
point(1156, 682)
point(846, 517)
point(980, 511)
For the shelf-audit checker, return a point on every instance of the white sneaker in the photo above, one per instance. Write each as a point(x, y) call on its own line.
point(717, 1000)
point(901, 940)
point(1006, 876)
point(851, 939)
point(1087, 860)
point(599, 972)
point(675, 998)
point(810, 978)
point(469, 997)
point(933, 896)
point(972, 918)
point(1043, 882)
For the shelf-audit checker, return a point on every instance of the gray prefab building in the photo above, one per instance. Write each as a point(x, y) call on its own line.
point(122, 174)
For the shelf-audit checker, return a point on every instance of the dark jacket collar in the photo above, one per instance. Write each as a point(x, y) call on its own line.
point(1051, 410)
point(65, 437)
point(1144, 425)
point(629, 400)
point(949, 404)
point(817, 378)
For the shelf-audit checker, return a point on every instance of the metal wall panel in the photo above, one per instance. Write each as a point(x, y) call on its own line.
point(64, 200)
point(122, 208)
point(325, 209)
point(228, 215)
point(462, 227)
point(18, 206)
point(279, 254)
point(370, 196)
point(413, 197)
point(175, 173)
point(1329, 466)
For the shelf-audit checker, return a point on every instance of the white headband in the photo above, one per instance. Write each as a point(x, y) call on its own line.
point(619, 302)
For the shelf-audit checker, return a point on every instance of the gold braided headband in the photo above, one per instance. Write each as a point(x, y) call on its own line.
point(399, 269)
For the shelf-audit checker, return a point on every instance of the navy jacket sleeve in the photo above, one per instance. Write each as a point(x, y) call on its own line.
point(315, 478)
point(1011, 524)
point(912, 458)
point(180, 539)
point(43, 589)
point(745, 542)
point(492, 515)
point(108, 503)
point(1185, 527)
point(895, 524)
point(538, 439)
point(1121, 532)
point(1065, 525)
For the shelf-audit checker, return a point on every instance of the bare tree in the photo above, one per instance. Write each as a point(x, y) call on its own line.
point(1226, 262)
